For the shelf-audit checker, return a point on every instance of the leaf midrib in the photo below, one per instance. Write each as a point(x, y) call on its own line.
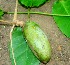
point(64, 6)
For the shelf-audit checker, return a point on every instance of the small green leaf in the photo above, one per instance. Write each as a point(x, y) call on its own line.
point(32, 3)
point(1, 13)
point(62, 7)
point(22, 53)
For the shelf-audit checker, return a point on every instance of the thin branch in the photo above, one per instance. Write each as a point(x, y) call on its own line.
point(14, 20)
point(40, 13)
point(2, 22)
point(15, 13)
point(10, 23)
point(11, 44)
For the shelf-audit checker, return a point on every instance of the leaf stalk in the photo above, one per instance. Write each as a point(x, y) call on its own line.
point(40, 13)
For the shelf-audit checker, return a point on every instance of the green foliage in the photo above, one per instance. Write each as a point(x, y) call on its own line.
point(1, 13)
point(32, 3)
point(22, 52)
point(62, 7)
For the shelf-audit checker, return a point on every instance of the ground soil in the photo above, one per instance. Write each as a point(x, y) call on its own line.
point(59, 42)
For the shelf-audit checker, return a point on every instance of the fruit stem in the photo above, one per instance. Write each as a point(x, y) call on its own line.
point(28, 14)
point(40, 13)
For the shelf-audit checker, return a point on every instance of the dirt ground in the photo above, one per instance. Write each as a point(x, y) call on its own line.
point(59, 42)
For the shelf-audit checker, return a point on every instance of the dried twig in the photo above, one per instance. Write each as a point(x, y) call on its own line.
point(14, 20)
point(16, 23)
point(11, 44)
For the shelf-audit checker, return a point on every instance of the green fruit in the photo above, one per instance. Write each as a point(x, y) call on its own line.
point(37, 41)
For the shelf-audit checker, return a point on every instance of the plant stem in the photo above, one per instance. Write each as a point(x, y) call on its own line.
point(28, 14)
point(40, 13)
point(6, 23)
point(16, 23)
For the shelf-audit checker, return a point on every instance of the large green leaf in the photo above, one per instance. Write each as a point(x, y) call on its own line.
point(62, 7)
point(22, 52)
point(32, 3)
point(1, 13)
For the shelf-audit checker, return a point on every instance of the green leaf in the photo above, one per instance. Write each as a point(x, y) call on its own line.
point(1, 13)
point(62, 7)
point(32, 3)
point(22, 52)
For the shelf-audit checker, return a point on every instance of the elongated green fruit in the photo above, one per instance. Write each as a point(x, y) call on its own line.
point(37, 41)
